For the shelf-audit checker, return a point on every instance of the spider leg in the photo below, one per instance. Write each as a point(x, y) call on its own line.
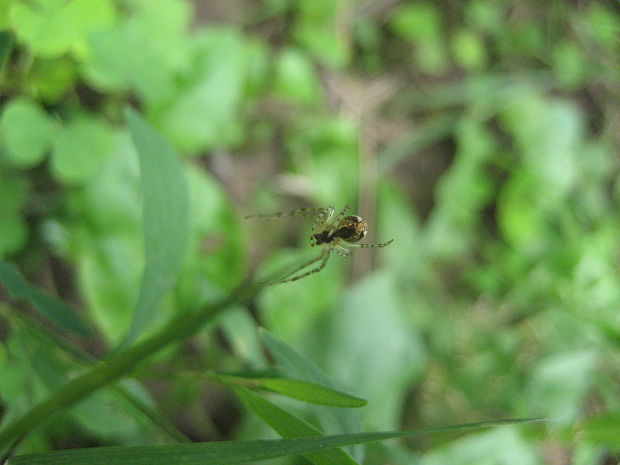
point(366, 246)
point(307, 212)
point(324, 256)
point(339, 217)
point(346, 253)
point(323, 217)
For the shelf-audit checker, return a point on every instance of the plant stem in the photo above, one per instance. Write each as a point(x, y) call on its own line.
point(121, 364)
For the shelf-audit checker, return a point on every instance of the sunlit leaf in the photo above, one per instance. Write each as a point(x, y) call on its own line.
point(80, 149)
point(26, 131)
point(53, 28)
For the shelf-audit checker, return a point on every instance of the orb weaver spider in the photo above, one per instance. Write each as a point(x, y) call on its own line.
point(335, 234)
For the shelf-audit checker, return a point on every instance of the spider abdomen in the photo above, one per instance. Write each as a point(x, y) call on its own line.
point(351, 229)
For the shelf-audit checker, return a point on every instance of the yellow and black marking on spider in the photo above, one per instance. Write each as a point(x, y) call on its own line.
point(334, 234)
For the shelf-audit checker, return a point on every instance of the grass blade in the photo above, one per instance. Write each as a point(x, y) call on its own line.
point(57, 310)
point(288, 425)
point(301, 390)
point(121, 363)
point(311, 392)
point(227, 452)
point(165, 220)
point(297, 366)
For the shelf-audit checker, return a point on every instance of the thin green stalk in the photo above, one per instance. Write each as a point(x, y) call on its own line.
point(83, 357)
point(120, 364)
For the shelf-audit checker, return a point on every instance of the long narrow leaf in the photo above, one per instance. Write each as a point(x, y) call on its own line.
point(297, 366)
point(61, 313)
point(301, 390)
point(165, 220)
point(228, 452)
point(311, 392)
point(121, 363)
point(288, 425)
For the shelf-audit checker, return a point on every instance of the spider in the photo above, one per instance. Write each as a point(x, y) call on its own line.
point(333, 233)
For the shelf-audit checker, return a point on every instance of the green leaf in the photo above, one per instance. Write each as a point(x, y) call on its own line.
point(124, 361)
point(469, 50)
point(297, 366)
point(373, 312)
point(418, 21)
point(297, 389)
point(81, 149)
point(311, 392)
point(295, 78)
point(227, 452)
point(55, 27)
point(6, 45)
point(290, 426)
point(205, 114)
point(53, 308)
point(26, 131)
point(559, 384)
point(166, 218)
point(146, 51)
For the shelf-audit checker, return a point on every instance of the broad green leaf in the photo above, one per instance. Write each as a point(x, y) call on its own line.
point(205, 113)
point(295, 78)
point(227, 452)
point(297, 389)
point(146, 51)
point(55, 27)
point(371, 323)
point(6, 45)
point(26, 131)
point(53, 308)
point(80, 150)
point(288, 425)
point(166, 218)
point(5, 19)
point(560, 383)
point(107, 243)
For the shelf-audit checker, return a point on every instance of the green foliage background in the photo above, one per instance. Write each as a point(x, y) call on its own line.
point(481, 135)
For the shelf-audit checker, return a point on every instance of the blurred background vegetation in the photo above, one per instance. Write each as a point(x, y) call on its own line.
point(481, 135)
